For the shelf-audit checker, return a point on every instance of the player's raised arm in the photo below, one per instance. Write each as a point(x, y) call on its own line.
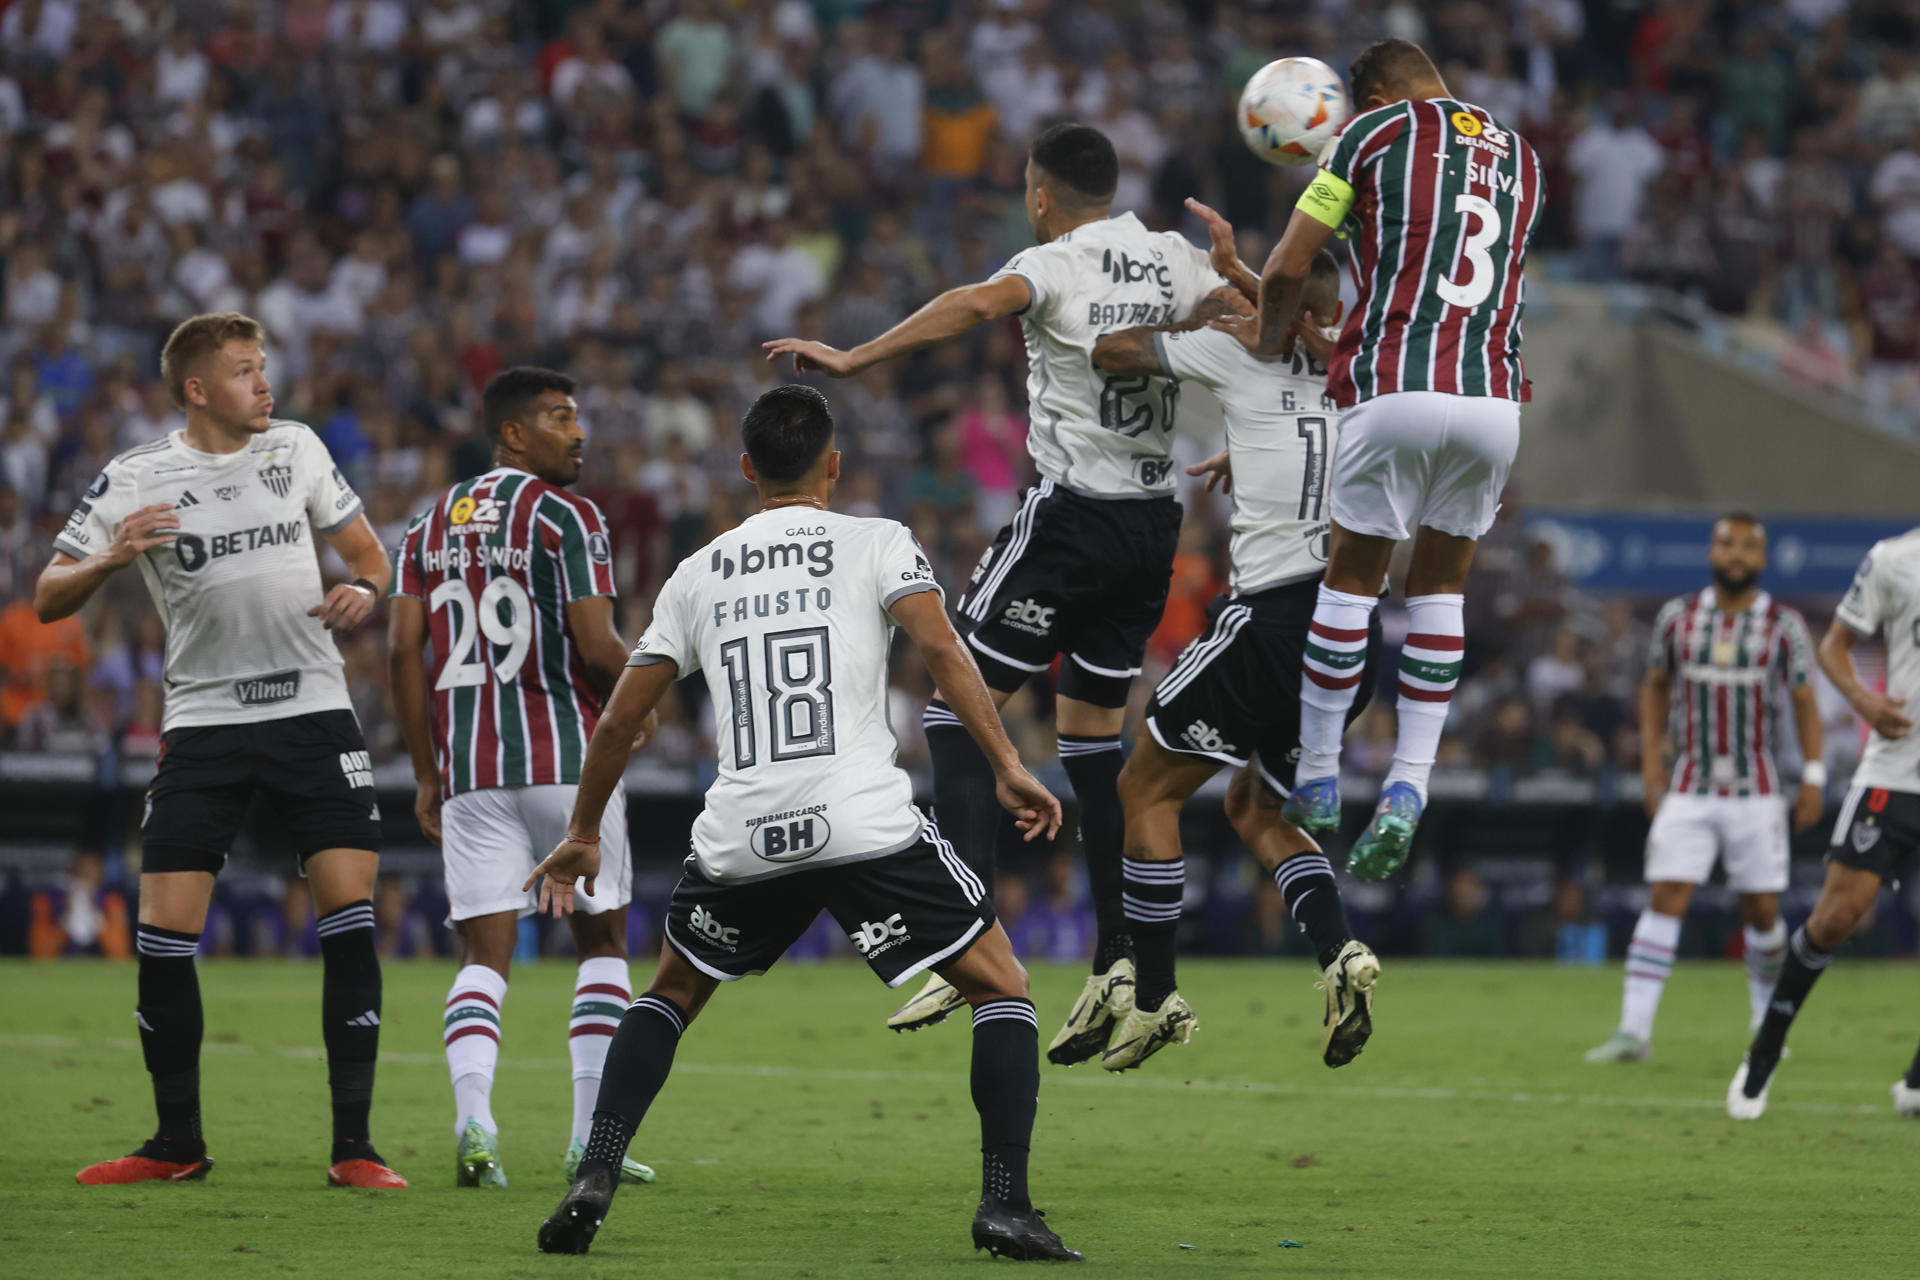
point(1283, 282)
point(635, 696)
point(68, 582)
point(924, 618)
point(1224, 252)
point(948, 316)
point(351, 603)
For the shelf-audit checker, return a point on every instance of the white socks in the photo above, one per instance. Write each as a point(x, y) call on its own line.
point(601, 993)
point(472, 1035)
point(1429, 670)
point(1649, 965)
point(1334, 664)
point(1766, 953)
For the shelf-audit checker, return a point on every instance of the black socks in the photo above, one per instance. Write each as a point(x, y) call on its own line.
point(1093, 767)
point(171, 1025)
point(1805, 963)
point(1006, 1093)
point(1151, 894)
point(350, 1023)
point(637, 1065)
point(1306, 882)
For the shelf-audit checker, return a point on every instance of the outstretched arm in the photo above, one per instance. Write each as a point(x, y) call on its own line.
point(948, 316)
point(1132, 351)
point(1224, 251)
point(924, 618)
point(1283, 283)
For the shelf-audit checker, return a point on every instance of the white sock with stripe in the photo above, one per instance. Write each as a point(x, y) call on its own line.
point(1649, 965)
point(1766, 954)
point(472, 1034)
point(601, 992)
point(1429, 670)
point(1334, 664)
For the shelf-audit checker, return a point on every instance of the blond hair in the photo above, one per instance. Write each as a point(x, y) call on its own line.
point(196, 339)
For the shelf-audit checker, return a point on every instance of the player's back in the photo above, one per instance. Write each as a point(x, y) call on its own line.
point(496, 561)
point(787, 616)
point(1885, 597)
point(1442, 202)
point(1100, 436)
point(1282, 429)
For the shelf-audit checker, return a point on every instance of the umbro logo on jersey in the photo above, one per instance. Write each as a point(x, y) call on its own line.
point(278, 478)
point(264, 691)
point(871, 939)
point(1030, 617)
point(816, 556)
point(367, 1019)
point(1202, 736)
point(703, 923)
point(186, 500)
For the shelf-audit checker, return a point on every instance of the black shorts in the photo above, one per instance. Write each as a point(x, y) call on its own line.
point(1879, 831)
point(904, 913)
point(1076, 576)
point(312, 769)
point(1234, 693)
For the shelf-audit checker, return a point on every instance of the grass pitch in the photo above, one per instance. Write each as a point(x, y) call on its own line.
point(799, 1138)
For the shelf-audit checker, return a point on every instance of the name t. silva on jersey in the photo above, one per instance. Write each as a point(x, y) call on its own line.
point(791, 610)
point(235, 586)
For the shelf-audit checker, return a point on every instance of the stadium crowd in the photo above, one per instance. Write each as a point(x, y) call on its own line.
point(413, 196)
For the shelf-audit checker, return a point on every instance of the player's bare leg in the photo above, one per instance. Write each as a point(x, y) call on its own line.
point(1844, 901)
point(637, 1066)
point(1006, 1090)
point(173, 912)
point(601, 993)
point(471, 1030)
point(1333, 669)
point(968, 816)
point(1430, 661)
point(1650, 954)
point(1764, 936)
point(342, 881)
point(1348, 968)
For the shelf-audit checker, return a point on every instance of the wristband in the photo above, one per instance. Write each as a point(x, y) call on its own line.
point(583, 839)
point(362, 584)
point(1814, 774)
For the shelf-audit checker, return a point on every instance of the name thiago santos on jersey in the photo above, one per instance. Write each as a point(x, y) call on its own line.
point(788, 617)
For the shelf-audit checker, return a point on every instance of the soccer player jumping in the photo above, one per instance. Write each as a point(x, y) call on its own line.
point(221, 517)
point(1441, 199)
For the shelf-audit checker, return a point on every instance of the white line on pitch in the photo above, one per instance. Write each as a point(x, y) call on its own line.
point(1049, 1080)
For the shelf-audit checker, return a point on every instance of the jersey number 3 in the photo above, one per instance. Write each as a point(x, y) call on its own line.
point(466, 663)
point(799, 696)
point(1479, 282)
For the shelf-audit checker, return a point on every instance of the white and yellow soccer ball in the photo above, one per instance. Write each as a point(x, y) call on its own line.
point(1291, 109)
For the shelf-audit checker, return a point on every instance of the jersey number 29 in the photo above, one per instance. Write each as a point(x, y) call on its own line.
point(467, 663)
point(799, 696)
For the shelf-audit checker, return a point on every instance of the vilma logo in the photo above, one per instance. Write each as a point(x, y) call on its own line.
point(871, 939)
point(703, 923)
point(277, 478)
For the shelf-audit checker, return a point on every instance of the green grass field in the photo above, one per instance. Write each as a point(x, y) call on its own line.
point(799, 1138)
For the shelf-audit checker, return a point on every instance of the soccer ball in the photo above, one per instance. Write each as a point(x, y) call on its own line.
point(1291, 109)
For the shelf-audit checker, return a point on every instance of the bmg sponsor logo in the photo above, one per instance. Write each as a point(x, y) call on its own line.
point(871, 939)
point(816, 557)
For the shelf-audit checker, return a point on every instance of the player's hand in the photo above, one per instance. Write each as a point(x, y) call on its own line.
point(1808, 805)
point(426, 807)
point(1313, 336)
point(1653, 783)
point(1884, 714)
point(1244, 330)
point(1223, 251)
point(344, 609)
point(570, 860)
point(1218, 470)
point(149, 527)
point(831, 361)
point(1035, 810)
point(647, 729)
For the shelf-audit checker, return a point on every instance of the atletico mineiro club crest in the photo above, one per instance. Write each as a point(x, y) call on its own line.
point(277, 478)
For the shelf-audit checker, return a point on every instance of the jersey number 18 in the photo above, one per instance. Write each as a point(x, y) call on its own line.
point(799, 696)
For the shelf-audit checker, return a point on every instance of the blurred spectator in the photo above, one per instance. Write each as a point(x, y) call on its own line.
point(1614, 161)
point(30, 650)
point(1466, 926)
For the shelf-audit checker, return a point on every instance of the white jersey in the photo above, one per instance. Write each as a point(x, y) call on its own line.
point(235, 585)
point(787, 615)
point(1099, 436)
point(1282, 428)
point(1885, 597)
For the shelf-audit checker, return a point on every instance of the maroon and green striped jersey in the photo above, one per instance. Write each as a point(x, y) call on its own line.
point(496, 561)
point(1728, 672)
point(1444, 200)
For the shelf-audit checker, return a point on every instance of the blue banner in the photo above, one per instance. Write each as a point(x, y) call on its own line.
point(1668, 554)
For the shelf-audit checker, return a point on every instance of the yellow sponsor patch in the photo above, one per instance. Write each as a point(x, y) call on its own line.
point(1467, 123)
point(461, 512)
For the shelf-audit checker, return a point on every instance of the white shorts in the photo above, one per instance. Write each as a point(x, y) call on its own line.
point(1423, 458)
point(490, 841)
point(1747, 833)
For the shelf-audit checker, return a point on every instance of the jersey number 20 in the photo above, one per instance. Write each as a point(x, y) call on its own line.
point(466, 663)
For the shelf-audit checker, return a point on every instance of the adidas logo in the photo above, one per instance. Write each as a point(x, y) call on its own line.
point(367, 1019)
point(186, 500)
